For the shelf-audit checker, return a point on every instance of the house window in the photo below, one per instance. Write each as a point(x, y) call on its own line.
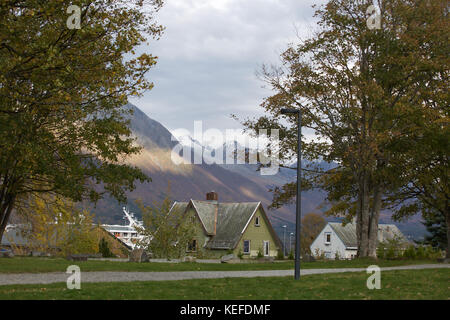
point(328, 238)
point(257, 222)
point(246, 246)
point(192, 246)
point(328, 254)
point(266, 248)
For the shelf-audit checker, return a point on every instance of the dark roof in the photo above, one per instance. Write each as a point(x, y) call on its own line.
point(225, 222)
point(347, 233)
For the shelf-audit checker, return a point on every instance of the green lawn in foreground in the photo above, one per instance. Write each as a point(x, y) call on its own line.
point(38, 265)
point(399, 284)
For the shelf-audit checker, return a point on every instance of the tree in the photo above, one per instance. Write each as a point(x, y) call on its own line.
point(57, 225)
point(437, 228)
point(422, 157)
point(312, 224)
point(62, 126)
point(352, 85)
point(169, 231)
point(103, 248)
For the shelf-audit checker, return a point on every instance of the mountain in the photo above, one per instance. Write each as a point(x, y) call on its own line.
point(233, 182)
point(187, 181)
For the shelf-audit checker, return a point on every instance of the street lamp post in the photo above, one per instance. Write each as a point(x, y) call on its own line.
point(299, 198)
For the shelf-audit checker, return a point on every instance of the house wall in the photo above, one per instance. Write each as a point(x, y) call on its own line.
point(201, 237)
point(257, 236)
point(320, 246)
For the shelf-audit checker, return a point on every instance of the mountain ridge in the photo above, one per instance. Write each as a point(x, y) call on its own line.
point(233, 182)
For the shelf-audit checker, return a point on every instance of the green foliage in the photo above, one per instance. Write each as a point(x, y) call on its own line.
point(280, 255)
point(260, 253)
point(62, 126)
point(291, 255)
point(422, 252)
point(437, 229)
point(171, 231)
point(391, 248)
point(410, 252)
point(103, 248)
point(58, 226)
point(240, 254)
point(374, 114)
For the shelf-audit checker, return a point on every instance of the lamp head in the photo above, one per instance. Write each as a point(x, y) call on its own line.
point(289, 111)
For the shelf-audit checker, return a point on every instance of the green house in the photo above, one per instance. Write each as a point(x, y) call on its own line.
point(224, 228)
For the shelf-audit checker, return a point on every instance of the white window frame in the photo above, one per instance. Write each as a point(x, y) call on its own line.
point(266, 242)
point(326, 237)
point(257, 222)
point(249, 242)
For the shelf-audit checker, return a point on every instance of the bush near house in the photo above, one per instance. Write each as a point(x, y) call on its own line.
point(280, 255)
point(104, 249)
point(291, 255)
point(396, 249)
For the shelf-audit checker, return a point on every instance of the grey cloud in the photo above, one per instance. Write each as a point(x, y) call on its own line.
point(209, 54)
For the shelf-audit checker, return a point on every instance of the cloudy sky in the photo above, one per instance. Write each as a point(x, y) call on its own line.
point(209, 54)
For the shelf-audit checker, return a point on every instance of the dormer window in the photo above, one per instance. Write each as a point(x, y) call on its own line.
point(257, 222)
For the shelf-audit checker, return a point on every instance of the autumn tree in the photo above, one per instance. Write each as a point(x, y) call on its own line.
point(168, 229)
point(353, 84)
point(62, 126)
point(420, 163)
point(54, 224)
point(312, 224)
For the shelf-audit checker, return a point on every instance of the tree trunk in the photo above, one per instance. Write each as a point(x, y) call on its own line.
point(373, 225)
point(5, 212)
point(363, 215)
point(447, 220)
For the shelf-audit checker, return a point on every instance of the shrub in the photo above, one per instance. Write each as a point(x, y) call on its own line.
point(291, 255)
point(319, 254)
point(420, 252)
point(240, 254)
point(381, 252)
point(280, 255)
point(260, 254)
point(410, 252)
point(103, 248)
point(337, 256)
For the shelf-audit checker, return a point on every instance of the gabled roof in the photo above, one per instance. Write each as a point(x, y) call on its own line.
point(207, 212)
point(347, 233)
point(232, 219)
point(225, 222)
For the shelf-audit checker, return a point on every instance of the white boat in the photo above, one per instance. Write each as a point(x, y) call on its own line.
point(130, 234)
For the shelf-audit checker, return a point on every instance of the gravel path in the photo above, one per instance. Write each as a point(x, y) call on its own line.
point(111, 276)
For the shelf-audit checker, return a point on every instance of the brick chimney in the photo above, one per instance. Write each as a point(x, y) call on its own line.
point(212, 196)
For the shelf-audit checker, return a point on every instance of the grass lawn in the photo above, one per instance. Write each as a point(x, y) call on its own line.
point(39, 265)
point(399, 284)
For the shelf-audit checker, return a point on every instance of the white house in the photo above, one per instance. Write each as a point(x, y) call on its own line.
point(337, 238)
